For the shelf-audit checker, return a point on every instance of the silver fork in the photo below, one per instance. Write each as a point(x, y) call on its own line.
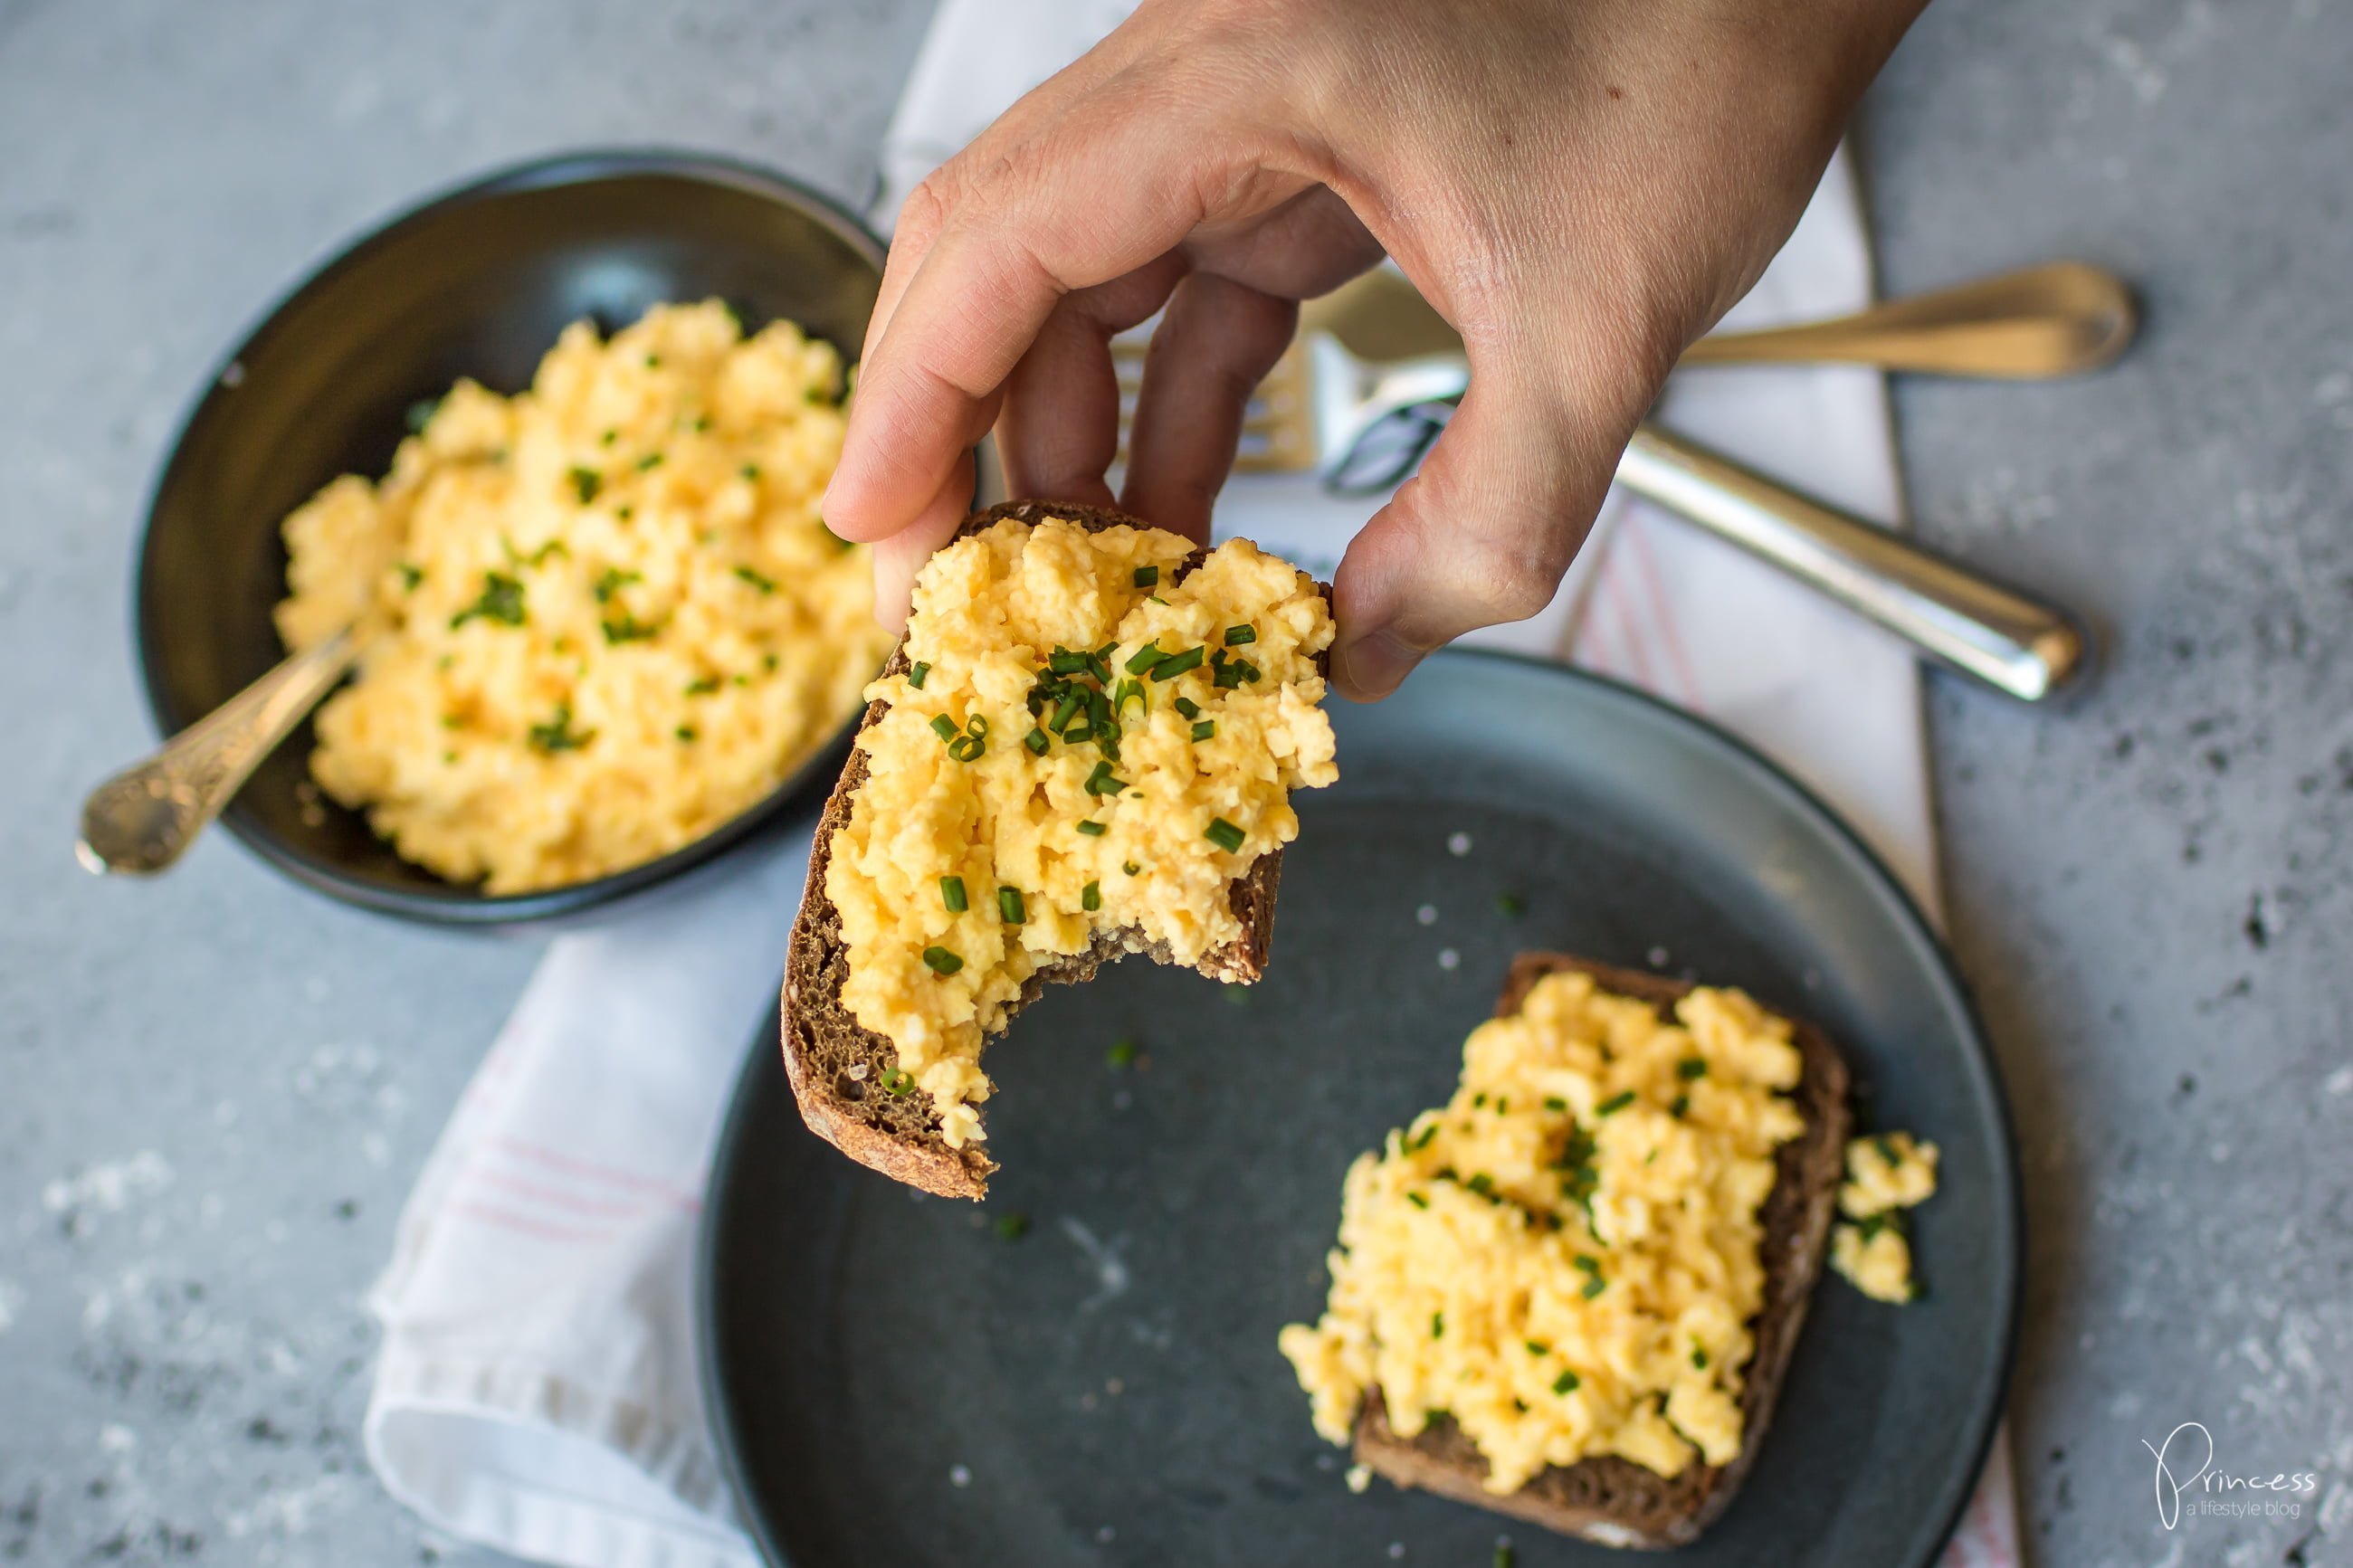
point(1365, 389)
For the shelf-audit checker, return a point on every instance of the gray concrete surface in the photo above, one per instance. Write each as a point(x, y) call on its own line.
point(213, 1090)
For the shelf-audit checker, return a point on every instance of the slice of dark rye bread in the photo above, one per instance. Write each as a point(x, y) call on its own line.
point(836, 1064)
point(1614, 1501)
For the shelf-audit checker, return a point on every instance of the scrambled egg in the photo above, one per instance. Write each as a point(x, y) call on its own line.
point(1885, 1176)
point(604, 618)
point(1082, 743)
point(1565, 1257)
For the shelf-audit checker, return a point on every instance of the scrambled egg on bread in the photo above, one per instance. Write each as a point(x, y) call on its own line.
point(1564, 1259)
point(603, 617)
point(1082, 743)
point(1885, 1175)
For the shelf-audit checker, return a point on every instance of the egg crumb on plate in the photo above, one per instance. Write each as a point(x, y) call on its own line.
point(1091, 735)
point(1885, 1175)
point(601, 617)
point(1565, 1257)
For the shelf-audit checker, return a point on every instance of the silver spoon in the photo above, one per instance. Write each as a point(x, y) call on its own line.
point(143, 819)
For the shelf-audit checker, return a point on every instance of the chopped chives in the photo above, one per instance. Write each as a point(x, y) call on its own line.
point(1537, 1347)
point(1090, 897)
point(1698, 1358)
point(1146, 576)
point(1035, 741)
point(585, 483)
point(757, 578)
point(1555, 1102)
point(1129, 690)
point(1224, 834)
point(1512, 905)
point(1121, 1054)
point(649, 461)
point(1593, 1287)
point(952, 894)
point(977, 726)
point(1093, 830)
point(1187, 707)
point(944, 726)
point(684, 732)
point(1144, 657)
point(1009, 906)
point(1077, 732)
point(1100, 782)
point(1615, 1103)
point(1013, 1227)
point(966, 748)
point(1095, 663)
point(1416, 1200)
point(1063, 712)
point(1691, 1068)
point(941, 961)
point(1177, 664)
point(919, 674)
point(1680, 1104)
point(898, 1081)
point(1566, 1384)
point(1131, 868)
point(1237, 636)
point(1205, 730)
point(1437, 1325)
point(1062, 661)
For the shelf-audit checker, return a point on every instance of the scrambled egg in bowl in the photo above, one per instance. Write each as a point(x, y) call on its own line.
point(601, 617)
point(1089, 741)
point(1565, 1257)
point(1885, 1176)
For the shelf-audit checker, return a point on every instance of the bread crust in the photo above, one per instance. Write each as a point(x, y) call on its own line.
point(1613, 1500)
point(824, 1044)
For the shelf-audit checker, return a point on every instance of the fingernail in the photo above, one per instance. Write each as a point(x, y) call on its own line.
point(1373, 664)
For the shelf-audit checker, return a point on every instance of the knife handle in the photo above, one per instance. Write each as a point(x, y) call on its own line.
point(1996, 634)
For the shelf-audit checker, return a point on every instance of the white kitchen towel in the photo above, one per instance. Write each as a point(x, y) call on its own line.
point(537, 1389)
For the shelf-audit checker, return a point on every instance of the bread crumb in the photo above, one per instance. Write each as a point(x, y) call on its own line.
point(1359, 1477)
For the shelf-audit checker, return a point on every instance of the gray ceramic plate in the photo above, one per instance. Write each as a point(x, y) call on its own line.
point(894, 1382)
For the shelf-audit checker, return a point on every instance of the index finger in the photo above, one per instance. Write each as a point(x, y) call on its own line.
point(1099, 194)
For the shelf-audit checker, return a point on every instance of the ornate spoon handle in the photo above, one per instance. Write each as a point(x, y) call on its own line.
point(143, 818)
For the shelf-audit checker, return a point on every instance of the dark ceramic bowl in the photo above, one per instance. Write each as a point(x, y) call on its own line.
point(474, 283)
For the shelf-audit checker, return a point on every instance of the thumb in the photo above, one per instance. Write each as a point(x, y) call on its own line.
point(1482, 534)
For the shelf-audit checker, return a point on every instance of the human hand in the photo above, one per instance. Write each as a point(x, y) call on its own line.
point(1581, 187)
